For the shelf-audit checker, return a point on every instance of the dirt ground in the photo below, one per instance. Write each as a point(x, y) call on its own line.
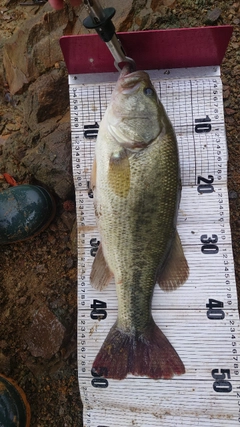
point(40, 275)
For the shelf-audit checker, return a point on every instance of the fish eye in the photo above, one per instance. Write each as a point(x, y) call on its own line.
point(148, 91)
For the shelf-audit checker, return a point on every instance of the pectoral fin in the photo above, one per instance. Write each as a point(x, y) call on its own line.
point(119, 173)
point(175, 270)
point(100, 275)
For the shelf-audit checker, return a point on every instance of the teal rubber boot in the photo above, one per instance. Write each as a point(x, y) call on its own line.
point(25, 211)
point(14, 408)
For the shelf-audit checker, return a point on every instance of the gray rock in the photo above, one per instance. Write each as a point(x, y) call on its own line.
point(45, 335)
point(50, 162)
point(47, 97)
point(232, 194)
point(213, 16)
point(33, 48)
point(13, 151)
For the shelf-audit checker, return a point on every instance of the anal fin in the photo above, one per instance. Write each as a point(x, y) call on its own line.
point(100, 275)
point(175, 269)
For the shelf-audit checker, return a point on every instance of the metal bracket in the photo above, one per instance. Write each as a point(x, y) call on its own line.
point(100, 20)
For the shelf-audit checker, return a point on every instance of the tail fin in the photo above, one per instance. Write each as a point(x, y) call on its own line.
point(146, 354)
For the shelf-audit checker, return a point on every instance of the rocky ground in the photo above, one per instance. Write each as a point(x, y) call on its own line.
point(38, 278)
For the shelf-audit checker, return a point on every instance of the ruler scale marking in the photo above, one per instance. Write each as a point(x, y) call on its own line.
point(200, 318)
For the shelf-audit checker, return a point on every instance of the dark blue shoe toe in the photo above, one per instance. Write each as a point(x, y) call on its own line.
point(14, 408)
point(25, 211)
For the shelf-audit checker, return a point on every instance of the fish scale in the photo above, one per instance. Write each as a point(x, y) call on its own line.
point(136, 196)
point(146, 232)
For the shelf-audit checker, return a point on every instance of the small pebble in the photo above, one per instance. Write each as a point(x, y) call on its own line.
point(69, 263)
point(232, 194)
point(213, 16)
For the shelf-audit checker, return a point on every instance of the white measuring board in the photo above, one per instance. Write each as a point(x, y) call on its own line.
point(200, 318)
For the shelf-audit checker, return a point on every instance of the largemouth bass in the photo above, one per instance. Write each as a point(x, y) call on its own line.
point(136, 185)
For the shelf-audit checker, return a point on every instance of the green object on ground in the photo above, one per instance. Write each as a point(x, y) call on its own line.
point(14, 408)
point(25, 211)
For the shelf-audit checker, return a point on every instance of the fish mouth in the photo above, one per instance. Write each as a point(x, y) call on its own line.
point(130, 82)
point(130, 87)
point(125, 70)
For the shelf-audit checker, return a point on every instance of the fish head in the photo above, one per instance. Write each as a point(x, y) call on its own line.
point(135, 114)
